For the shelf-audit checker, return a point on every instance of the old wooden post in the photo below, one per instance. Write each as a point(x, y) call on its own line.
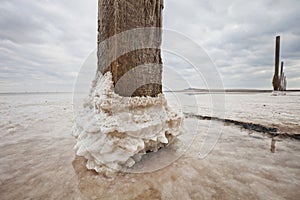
point(277, 55)
point(116, 16)
point(124, 128)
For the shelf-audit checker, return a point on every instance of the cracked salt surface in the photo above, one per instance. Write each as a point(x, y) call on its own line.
point(38, 161)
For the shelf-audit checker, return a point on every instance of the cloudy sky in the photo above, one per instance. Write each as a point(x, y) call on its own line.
point(43, 43)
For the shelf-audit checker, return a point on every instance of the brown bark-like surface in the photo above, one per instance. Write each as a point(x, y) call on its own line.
point(116, 16)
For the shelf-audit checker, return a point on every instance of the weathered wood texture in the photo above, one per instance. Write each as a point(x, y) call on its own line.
point(116, 16)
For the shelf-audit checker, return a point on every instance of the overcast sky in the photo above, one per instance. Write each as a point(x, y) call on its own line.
point(43, 43)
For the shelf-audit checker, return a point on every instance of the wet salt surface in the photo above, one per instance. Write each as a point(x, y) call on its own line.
point(37, 159)
point(282, 112)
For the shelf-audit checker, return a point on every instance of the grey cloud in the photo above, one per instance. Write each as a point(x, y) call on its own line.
point(239, 36)
point(44, 42)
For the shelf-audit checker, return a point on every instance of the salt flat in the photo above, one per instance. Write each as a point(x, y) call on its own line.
point(38, 160)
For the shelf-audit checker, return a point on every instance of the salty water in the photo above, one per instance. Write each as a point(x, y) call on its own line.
point(37, 160)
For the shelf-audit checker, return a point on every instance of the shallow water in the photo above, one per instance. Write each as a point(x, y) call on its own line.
point(38, 161)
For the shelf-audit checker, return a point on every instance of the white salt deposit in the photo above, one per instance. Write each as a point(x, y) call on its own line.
point(114, 132)
point(37, 160)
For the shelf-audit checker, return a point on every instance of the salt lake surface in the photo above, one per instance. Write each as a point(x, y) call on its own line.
point(37, 160)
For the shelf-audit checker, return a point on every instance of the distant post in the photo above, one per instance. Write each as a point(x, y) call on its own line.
point(276, 82)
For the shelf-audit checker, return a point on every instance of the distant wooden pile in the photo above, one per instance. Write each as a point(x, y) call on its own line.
point(279, 81)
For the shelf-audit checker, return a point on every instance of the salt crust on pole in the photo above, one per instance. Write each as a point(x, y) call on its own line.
point(113, 132)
